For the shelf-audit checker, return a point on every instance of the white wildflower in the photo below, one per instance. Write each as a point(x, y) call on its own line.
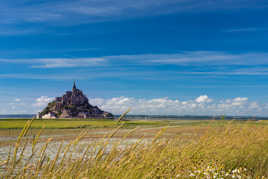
point(192, 175)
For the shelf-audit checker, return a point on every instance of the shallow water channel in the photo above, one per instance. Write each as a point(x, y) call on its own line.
point(76, 150)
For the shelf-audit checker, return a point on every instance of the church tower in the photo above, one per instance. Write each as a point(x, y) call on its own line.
point(74, 87)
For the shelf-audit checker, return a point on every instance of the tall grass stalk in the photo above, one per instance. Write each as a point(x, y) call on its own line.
point(229, 151)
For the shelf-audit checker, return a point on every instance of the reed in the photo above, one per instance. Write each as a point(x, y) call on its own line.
point(229, 151)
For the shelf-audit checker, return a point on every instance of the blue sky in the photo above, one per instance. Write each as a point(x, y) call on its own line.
point(179, 57)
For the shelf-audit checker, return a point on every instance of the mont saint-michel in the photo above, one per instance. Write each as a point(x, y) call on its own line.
point(73, 104)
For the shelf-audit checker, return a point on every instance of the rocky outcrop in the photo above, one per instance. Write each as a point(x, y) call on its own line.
point(73, 104)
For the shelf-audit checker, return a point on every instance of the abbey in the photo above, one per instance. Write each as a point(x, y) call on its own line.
point(73, 104)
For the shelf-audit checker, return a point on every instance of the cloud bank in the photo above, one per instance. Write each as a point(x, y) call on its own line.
point(56, 62)
point(42, 101)
point(185, 63)
point(197, 58)
point(200, 105)
point(69, 12)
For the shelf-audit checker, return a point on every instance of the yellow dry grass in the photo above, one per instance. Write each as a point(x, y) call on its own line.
point(228, 151)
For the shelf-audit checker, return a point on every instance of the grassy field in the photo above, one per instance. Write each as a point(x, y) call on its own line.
point(73, 123)
point(102, 123)
point(161, 149)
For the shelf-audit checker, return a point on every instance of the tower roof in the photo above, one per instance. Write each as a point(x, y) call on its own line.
point(74, 86)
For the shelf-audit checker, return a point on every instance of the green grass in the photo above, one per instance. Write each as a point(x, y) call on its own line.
point(53, 124)
point(104, 123)
point(71, 124)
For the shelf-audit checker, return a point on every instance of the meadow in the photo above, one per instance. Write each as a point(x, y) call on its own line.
point(74, 123)
point(134, 149)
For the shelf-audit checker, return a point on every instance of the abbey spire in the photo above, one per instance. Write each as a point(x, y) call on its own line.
point(74, 87)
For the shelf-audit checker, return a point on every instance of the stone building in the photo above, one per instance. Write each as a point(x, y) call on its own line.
point(73, 104)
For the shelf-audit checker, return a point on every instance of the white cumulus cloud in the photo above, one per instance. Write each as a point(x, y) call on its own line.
point(239, 101)
point(203, 99)
point(203, 105)
point(42, 101)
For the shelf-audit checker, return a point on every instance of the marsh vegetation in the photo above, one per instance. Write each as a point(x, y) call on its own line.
point(135, 149)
